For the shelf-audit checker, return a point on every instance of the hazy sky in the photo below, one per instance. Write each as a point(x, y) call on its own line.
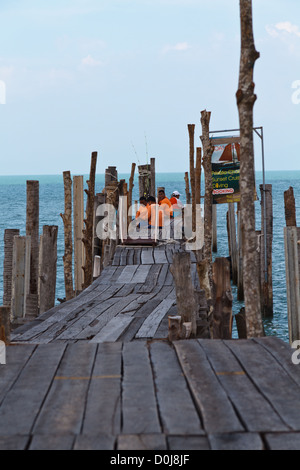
point(125, 77)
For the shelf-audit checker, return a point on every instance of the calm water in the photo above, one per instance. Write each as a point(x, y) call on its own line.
point(13, 215)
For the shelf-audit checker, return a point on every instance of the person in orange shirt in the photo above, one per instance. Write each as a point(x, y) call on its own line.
point(142, 215)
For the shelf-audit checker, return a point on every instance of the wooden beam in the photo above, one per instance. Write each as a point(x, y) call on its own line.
point(78, 226)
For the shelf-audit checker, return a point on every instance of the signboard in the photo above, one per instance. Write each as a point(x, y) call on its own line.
point(226, 170)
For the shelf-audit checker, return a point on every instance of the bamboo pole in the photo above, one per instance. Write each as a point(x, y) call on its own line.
point(245, 101)
point(88, 231)
point(130, 189)
point(67, 221)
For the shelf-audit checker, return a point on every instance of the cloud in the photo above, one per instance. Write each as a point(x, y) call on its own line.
point(283, 27)
point(89, 61)
point(180, 46)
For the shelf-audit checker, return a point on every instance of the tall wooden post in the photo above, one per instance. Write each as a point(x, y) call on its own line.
point(187, 188)
point(232, 241)
point(245, 101)
point(240, 284)
point(78, 226)
point(185, 297)
point(266, 250)
point(130, 189)
point(20, 276)
point(88, 232)
point(152, 177)
point(48, 263)
point(67, 221)
point(214, 228)
point(292, 257)
point(32, 231)
point(290, 208)
point(222, 315)
point(191, 130)
point(208, 149)
point(5, 325)
point(7, 265)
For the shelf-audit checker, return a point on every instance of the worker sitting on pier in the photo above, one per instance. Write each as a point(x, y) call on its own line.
point(176, 203)
point(142, 215)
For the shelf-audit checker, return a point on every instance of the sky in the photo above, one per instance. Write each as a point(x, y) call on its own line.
point(125, 78)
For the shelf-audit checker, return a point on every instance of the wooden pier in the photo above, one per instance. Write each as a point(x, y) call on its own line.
point(98, 372)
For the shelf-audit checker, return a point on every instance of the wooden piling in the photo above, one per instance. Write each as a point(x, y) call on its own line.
point(245, 98)
point(208, 149)
point(240, 285)
point(20, 276)
point(88, 231)
point(7, 265)
point(78, 227)
point(187, 188)
point(232, 241)
point(266, 250)
point(130, 189)
point(32, 230)
point(48, 266)
point(290, 208)
point(186, 303)
point(214, 228)
point(222, 313)
point(191, 131)
point(5, 327)
point(292, 257)
point(67, 221)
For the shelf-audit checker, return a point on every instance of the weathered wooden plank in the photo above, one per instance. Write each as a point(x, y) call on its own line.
point(147, 256)
point(14, 442)
point(282, 352)
point(141, 274)
point(16, 358)
point(100, 321)
point(151, 323)
point(261, 367)
point(113, 329)
point(140, 414)
point(255, 411)
point(92, 442)
point(103, 406)
point(283, 441)
point(22, 403)
point(172, 391)
point(141, 442)
point(216, 409)
point(52, 441)
point(236, 441)
point(160, 256)
point(127, 274)
point(151, 279)
point(188, 443)
point(63, 409)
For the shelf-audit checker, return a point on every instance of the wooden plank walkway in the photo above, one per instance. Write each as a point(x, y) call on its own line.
point(189, 395)
point(131, 299)
point(97, 372)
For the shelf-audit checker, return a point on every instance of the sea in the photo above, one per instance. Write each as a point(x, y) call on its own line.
point(51, 195)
